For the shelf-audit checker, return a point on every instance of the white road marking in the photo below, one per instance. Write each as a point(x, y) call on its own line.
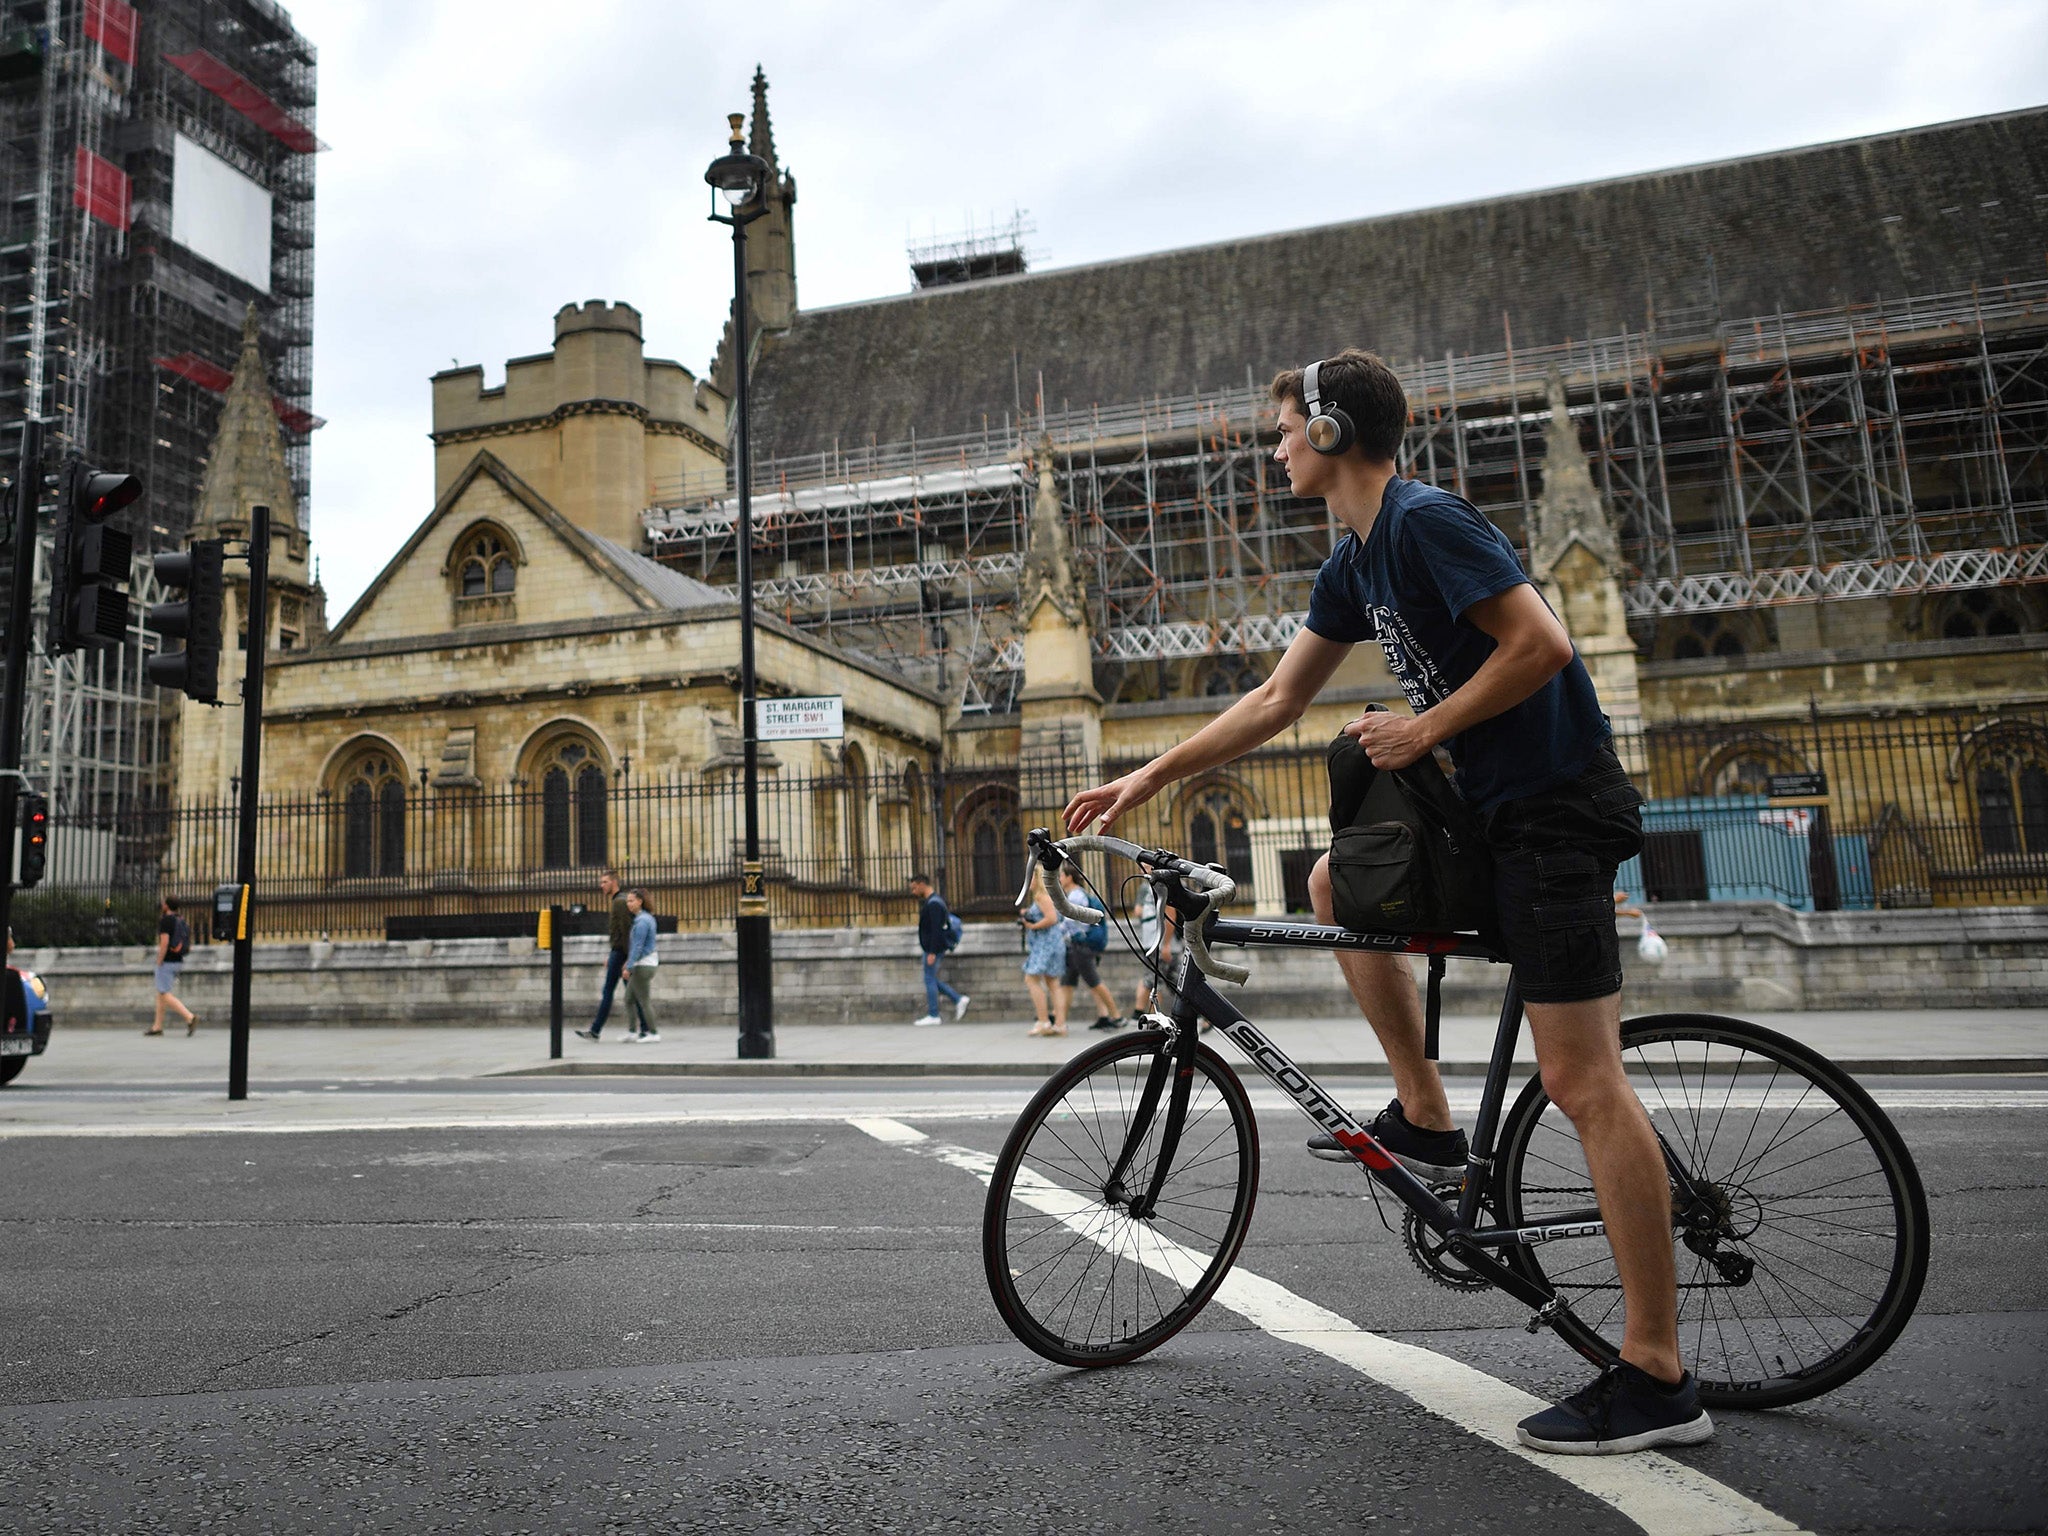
point(1664, 1497)
point(389, 1112)
point(895, 1132)
point(61, 1112)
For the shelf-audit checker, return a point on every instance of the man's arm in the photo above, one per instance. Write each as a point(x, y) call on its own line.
point(1305, 666)
point(1530, 647)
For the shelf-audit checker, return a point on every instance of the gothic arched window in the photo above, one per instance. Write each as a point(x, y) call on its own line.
point(2012, 803)
point(1708, 634)
point(994, 840)
point(1228, 677)
point(1219, 832)
point(372, 792)
point(1981, 614)
point(573, 805)
point(853, 768)
point(484, 565)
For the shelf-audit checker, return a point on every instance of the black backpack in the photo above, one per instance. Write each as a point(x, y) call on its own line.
point(1406, 854)
point(181, 938)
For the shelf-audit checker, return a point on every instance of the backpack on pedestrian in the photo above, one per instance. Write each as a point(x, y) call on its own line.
point(181, 940)
point(1096, 935)
point(1406, 854)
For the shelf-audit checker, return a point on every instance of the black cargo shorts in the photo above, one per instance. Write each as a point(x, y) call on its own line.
point(1554, 858)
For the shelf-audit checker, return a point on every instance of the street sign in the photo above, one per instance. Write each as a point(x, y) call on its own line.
point(1796, 786)
point(820, 718)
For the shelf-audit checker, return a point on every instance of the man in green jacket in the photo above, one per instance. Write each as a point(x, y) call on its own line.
point(621, 933)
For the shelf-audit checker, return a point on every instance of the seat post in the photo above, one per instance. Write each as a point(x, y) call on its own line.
point(1432, 1032)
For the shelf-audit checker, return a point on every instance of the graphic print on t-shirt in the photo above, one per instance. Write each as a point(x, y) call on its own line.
point(1421, 683)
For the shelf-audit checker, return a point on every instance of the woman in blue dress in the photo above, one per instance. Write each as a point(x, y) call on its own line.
point(1045, 959)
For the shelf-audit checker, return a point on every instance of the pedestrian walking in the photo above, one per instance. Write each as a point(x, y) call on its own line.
point(938, 931)
point(1045, 959)
point(1085, 944)
point(173, 939)
point(615, 963)
point(642, 960)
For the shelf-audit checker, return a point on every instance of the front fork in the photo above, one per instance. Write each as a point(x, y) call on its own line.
point(1172, 1078)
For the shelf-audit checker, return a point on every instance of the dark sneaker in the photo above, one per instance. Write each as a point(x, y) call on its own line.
point(1105, 1021)
point(1438, 1155)
point(586, 1034)
point(1624, 1410)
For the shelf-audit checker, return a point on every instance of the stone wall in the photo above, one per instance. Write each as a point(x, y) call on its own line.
point(1723, 957)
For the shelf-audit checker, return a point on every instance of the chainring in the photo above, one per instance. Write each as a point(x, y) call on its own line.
point(1431, 1252)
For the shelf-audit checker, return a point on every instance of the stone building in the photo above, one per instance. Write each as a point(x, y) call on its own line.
point(512, 699)
point(1026, 526)
point(1771, 432)
point(594, 425)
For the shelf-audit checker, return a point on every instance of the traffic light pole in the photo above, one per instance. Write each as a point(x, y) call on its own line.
point(256, 610)
point(28, 484)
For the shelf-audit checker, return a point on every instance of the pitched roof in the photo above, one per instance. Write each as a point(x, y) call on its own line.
point(669, 588)
point(652, 587)
point(1925, 210)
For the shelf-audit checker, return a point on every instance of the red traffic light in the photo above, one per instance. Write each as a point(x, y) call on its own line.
point(101, 495)
point(33, 811)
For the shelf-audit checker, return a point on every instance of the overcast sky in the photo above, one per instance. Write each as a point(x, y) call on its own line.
point(493, 160)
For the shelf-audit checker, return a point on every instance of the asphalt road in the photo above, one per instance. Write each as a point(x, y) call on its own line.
point(750, 1314)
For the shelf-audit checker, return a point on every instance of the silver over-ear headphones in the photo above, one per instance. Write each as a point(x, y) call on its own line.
point(1329, 427)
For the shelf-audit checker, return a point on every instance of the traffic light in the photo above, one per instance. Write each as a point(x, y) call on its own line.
point(195, 670)
point(32, 816)
point(89, 567)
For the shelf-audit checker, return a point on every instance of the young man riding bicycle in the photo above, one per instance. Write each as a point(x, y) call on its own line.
point(1493, 678)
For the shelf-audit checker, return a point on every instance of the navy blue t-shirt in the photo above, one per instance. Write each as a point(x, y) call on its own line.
point(1430, 557)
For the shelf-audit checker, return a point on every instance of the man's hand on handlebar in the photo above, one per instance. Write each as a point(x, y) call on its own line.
point(1102, 805)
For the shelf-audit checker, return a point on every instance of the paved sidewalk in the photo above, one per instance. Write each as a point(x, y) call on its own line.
point(1972, 1040)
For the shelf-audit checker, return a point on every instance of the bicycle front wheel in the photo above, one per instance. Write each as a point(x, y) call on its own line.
point(1076, 1275)
point(1799, 1229)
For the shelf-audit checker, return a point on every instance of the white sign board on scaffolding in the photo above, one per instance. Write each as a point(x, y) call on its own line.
point(219, 213)
point(819, 718)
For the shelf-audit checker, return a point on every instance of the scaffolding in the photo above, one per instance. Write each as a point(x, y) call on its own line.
point(122, 339)
point(1877, 449)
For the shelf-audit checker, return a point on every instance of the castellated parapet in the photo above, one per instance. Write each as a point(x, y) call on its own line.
point(596, 426)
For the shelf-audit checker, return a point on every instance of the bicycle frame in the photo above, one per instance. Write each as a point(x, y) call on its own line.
point(1196, 1000)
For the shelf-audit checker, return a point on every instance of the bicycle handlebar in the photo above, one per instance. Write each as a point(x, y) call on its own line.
point(1213, 885)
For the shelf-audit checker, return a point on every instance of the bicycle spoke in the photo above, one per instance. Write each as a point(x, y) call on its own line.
point(1084, 1276)
point(1809, 1248)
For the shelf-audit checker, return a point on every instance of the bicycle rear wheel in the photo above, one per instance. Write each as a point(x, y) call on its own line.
point(1076, 1276)
point(1803, 1251)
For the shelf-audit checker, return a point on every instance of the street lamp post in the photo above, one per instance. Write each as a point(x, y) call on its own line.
point(741, 180)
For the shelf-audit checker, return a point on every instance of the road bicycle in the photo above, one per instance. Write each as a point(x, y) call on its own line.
point(1123, 1193)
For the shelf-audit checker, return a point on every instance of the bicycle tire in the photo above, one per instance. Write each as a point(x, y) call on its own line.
point(1804, 1261)
point(1074, 1275)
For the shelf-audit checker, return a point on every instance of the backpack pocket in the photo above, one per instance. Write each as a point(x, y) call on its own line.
point(1379, 881)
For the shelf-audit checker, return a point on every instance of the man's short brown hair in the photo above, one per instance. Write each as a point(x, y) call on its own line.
point(1367, 391)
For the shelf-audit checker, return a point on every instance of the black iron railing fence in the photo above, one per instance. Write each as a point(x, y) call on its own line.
point(1941, 808)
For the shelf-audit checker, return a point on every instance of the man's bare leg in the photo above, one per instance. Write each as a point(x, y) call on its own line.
point(1384, 988)
point(1578, 1047)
